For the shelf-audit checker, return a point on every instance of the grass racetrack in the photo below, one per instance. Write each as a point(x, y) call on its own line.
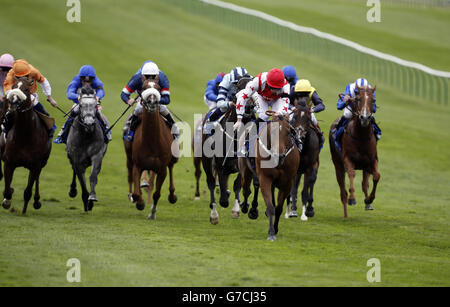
point(116, 245)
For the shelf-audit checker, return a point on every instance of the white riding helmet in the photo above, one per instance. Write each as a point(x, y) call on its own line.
point(150, 69)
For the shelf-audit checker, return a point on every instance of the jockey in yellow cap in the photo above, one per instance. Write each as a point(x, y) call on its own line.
point(306, 95)
point(21, 69)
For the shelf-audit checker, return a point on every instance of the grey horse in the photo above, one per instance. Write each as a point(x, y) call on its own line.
point(86, 147)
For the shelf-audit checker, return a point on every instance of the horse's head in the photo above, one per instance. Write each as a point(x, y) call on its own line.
point(301, 119)
point(19, 96)
point(362, 104)
point(88, 108)
point(151, 94)
point(281, 146)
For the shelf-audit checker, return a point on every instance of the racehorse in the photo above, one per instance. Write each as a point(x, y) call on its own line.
point(225, 163)
point(359, 149)
point(196, 137)
point(27, 143)
point(309, 166)
point(86, 147)
point(281, 160)
point(151, 149)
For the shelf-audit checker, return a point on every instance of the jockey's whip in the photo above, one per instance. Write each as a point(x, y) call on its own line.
point(60, 109)
point(175, 115)
point(123, 113)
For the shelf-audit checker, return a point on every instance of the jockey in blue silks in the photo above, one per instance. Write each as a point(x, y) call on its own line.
point(212, 91)
point(290, 74)
point(86, 76)
point(149, 70)
point(350, 92)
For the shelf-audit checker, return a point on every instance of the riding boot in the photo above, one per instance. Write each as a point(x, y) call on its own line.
point(64, 132)
point(105, 127)
point(8, 122)
point(217, 113)
point(134, 122)
point(376, 130)
point(171, 123)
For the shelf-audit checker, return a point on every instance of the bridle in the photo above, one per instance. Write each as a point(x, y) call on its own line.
point(17, 98)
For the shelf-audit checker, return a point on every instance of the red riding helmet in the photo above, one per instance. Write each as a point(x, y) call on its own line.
point(275, 78)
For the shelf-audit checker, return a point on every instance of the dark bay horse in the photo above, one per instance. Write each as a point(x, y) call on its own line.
point(86, 147)
point(151, 149)
point(309, 166)
point(277, 161)
point(27, 144)
point(197, 138)
point(359, 149)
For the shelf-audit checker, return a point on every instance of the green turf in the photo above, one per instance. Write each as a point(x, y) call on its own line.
point(412, 33)
point(408, 231)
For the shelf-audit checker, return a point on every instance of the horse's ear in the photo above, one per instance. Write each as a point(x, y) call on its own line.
point(358, 88)
point(374, 88)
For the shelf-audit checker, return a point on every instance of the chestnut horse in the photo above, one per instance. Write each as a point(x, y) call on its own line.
point(277, 164)
point(151, 149)
point(309, 166)
point(359, 149)
point(27, 143)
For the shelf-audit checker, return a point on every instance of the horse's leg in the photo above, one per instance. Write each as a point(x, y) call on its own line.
point(80, 170)
point(8, 191)
point(37, 204)
point(340, 177)
point(253, 213)
point(350, 168)
point(137, 194)
point(292, 211)
point(96, 167)
point(376, 178)
point(151, 185)
point(282, 195)
point(246, 179)
point(198, 173)
point(130, 177)
point(211, 181)
point(224, 195)
point(305, 193)
point(73, 186)
point(236, 211)
point(34, 173)
point(266, 191)
point(172, 197)
point(157, 194)
point(312, 181)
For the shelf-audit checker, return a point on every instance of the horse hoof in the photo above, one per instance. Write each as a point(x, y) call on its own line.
point(92, 198)
point(235, 214)
point(244, 208)
point(173, 199)
point(271, 238)
point(73, 193)
point(224, 204)
point(369, 207)
point(151, 217)
point(140, 207)
point(293, 213)
point(37, 205)
point(90, 205)
point(309, 212)
point(6, 203)
point(214, 220)
point(130, 198)
point(197, 198)
point(351, 202)
point(144, 184)
point(253, 214)
point(304, 218)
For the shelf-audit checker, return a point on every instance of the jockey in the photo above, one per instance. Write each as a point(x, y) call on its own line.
point(149, 70)
point(350, 92)
point(227, 91)
point(290, 74)
point(269, 90)
point(86, 76)
point(307, 95)
point(21, 69)
point(6, 63)
point(212, 90)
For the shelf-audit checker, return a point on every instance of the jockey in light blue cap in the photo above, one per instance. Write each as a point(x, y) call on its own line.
point(351, 90)
point(86, 76)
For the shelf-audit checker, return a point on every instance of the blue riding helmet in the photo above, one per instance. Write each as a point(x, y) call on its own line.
point(87, 71)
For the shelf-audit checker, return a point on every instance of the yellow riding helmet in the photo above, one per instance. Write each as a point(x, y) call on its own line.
point(21, 68)
point(303, 85)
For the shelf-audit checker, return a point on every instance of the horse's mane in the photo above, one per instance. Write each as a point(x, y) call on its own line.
point(87, 90)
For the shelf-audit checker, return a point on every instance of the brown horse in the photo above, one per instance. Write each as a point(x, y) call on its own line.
point(277, 164)
point(151, 149)
point(359, 149)
point(27, 144)
point(197, 138)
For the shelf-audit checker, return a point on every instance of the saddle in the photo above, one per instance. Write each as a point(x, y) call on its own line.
point(48, 121)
